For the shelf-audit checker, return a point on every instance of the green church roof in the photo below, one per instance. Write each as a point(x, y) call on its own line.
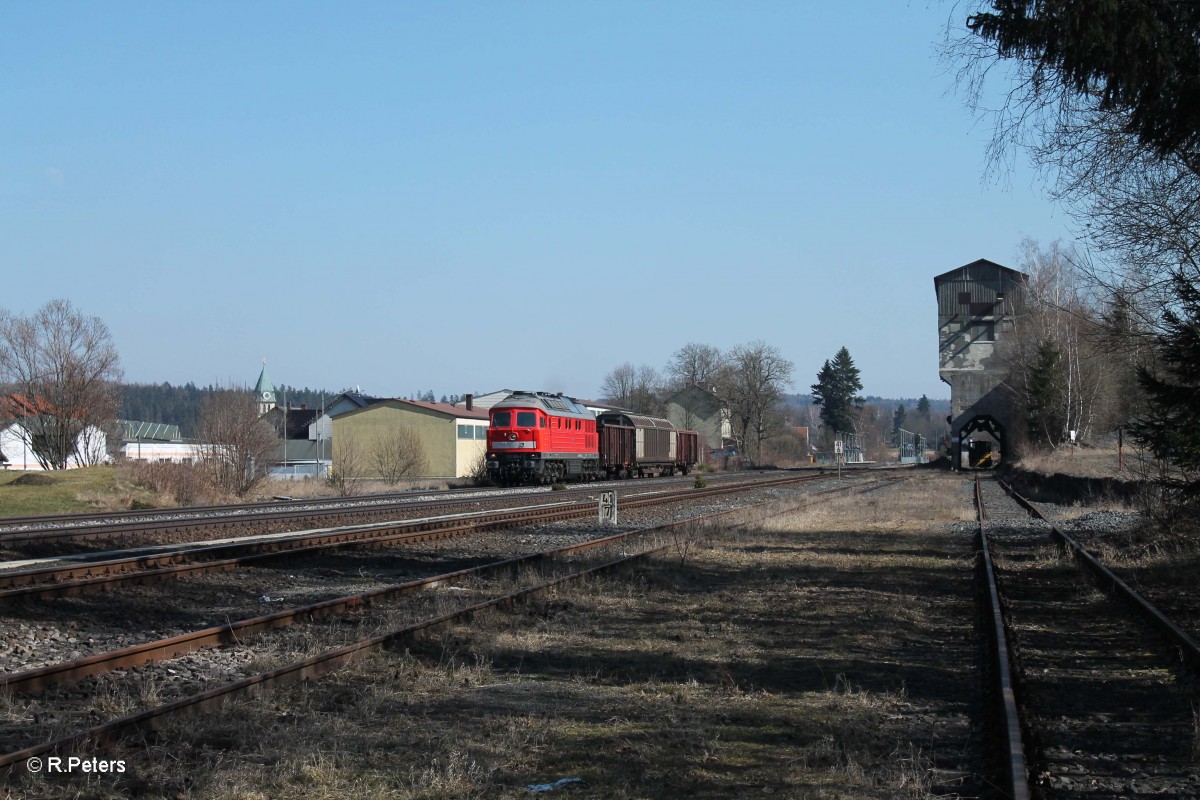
point(264, 390)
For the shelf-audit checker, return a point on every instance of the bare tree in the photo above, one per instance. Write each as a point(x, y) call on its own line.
point(349, 465)
point(398, 454)
point(236, 446)
point(695, 365)
point(752, 388)
point(1140, 211)
point(1064, 366)
point(67, 367)
point(1133, 191)
point(635, 388)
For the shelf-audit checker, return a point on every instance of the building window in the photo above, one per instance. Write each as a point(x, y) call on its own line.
point(464, 432)
point(481, 432)
point(981, 309)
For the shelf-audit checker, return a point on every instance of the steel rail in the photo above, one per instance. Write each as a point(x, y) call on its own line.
point(50, 521)
point(160, 650)
point(153, 718)
point(48, 529)
point(234, 522)
point(1015, 779)
point(52, 582)
point(1186, 646)
point(274, 544)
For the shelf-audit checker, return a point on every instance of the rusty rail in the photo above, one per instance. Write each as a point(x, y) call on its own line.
point(160, 650)
point(1186, 646)
point(1015, 777)
point(153, 718)
point(122, 524)
point(102, 575)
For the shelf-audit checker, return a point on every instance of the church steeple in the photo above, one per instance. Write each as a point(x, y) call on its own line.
point(264, 391)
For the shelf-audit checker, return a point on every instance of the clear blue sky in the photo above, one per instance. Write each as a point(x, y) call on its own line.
point(471, 196)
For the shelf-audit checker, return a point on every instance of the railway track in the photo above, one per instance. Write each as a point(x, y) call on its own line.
point(144, 567)
point(49, 534)
point(1090, 698)
point(65, 706)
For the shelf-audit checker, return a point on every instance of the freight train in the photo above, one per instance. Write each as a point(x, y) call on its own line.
point(535, 437)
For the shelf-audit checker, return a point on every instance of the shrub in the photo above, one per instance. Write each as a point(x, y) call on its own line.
point(479, 473)
point(183, 482)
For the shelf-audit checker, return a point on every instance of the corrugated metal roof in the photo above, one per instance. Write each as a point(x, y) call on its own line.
point(154, 431)
point(636, 420)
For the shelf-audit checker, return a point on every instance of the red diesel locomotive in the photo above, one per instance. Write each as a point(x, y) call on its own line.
point(535, 437)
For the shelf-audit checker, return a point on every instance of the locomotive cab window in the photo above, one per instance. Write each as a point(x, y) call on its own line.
point(526, 419)
point(502, 419)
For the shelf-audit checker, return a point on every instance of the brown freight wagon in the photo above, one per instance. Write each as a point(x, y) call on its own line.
point(634, 444)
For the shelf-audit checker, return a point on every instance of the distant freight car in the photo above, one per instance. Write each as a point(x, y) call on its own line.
point(634, 444)
point(535, 437)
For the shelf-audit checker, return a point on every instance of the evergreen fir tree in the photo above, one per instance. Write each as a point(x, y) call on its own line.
point(836, 392)
point(1170, 427)
point(1044, 395)
point(898, 422)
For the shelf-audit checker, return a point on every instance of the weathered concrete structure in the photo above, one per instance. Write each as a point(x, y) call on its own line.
point(977, 304)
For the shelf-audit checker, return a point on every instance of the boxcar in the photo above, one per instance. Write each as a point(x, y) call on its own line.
point(634, 444)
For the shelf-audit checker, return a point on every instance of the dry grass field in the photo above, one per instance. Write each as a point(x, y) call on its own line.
point(827, 654)
point(1087, 462)
point(120, 487)
point(69, 491)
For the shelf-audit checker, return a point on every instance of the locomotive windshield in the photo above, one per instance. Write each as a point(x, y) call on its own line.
point(526, 419)
point(502, 419)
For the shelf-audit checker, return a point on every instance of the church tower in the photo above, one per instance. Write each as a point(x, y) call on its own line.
point(264, 391)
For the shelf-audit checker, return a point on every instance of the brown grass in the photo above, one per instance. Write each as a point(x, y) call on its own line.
point(1085, 462)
